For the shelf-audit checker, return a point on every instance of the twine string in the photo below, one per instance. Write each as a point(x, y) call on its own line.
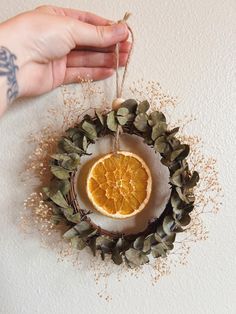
point(120, 85)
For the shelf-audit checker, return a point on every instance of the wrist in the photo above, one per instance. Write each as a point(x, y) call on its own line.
point(12, 61)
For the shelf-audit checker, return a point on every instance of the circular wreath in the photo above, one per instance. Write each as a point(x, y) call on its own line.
point(159, 236)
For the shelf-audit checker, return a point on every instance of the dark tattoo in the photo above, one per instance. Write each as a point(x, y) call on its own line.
point(8, 69)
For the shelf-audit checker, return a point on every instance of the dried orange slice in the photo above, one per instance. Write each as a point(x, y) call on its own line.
point(119, 184)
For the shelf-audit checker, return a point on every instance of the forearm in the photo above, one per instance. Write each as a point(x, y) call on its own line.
point(11, 63)
point(9, 88)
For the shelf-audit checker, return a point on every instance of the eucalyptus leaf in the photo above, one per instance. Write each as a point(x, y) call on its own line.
point(72, 163)
point(60, 172)
point(104, 241)
point(56, 219)
point(184, 196)
point(192, 182)
point(184, 220)
point(168, 225)
point(155, 117)
point(60, 185)
point(84, 228)
point(90, 130)
point(122, 244)
point(116, 257)
point(68, 212)
point(111, 121)
point(100, 117)
point(175, 200)
point(92, 245)
point(60, 157)
point(177, 178)
point(57, 197)
point(75, 218)
point(138, 243)
point(161, 144)
point(69, 234)
point(176, 153)
point(158, 130)
point(130, 104)
point(143, 107)
point(140, 122)
point(148, 242)
point(184, 153)
point(122, 112)
point(122, 115)
point(136, 257)
point(69, 147)
point(122, 120)
point(158, 250)
point(174, 142)
point(78, 243)
point(72, 131)
point(173, 132)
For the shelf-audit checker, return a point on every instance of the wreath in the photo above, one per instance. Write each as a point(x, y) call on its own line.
point(158, 238)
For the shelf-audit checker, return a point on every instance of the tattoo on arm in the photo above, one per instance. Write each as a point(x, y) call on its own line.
point(9, 69)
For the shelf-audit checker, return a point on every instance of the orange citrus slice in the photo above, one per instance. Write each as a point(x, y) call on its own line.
point(119, 184)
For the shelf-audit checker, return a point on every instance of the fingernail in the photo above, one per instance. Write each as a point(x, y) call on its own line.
point(120, 29)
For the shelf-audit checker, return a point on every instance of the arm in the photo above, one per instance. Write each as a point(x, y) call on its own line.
point(50, 46)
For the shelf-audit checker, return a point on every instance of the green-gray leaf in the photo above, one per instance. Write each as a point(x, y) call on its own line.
point(168, 225)
point(143, 107)
point(111, 121)
point(176, 178)
point(90, 130)
point(192, 182)
point(60, 185)
point(156, 117)
point(122, 115)
point(116, 257)
point(60, 157)
point(148, 242)
point(60, 172)
point(136, 257)
point(138, 243)
point(161, 144)
point(100, 117)
point(84, 228)
point(130, 104)
point(75, 218)
point(158, 130)
point(158, 250)
point(69, 234)
point(57, 197)
point(72, 163)
point(78, 243)
point(70, 147)
point(140, 122)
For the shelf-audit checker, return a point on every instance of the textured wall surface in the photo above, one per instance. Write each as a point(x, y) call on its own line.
point(188, 46)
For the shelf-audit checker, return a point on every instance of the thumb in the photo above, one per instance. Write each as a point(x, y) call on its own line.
point(85, 34)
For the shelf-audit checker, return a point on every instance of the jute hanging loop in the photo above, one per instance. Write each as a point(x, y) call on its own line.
point(120, 85)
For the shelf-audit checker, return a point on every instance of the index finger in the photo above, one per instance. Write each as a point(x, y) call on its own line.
point(84, 16)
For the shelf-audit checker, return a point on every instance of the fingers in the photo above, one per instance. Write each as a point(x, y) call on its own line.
point(85, 34)
point(74, 75)
point(95, 59)
point(86, 17)
point(124, 47)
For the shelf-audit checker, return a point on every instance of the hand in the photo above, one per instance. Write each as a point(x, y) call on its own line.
point(55, 46)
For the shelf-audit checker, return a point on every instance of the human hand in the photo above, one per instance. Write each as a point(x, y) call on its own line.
point(54, 46)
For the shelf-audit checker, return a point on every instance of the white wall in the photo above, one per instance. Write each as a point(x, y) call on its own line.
point(188, 46)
